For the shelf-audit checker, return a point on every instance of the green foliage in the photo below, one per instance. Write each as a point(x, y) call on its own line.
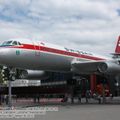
point(1, 77)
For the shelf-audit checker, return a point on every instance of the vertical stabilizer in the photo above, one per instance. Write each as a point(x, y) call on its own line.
point(117, 50)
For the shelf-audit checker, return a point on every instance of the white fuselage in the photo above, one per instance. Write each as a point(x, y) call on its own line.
point(42, 56)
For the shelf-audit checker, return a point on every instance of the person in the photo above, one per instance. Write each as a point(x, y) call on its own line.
point(0, 100)
point(79, 97)
point(6, 99)
point(87, 95)
point(38, 97)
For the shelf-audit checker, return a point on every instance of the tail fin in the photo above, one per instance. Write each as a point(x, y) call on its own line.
point(117, 50)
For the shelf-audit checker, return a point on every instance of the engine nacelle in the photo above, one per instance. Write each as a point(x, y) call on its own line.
point(32, 74)
point(109, 67)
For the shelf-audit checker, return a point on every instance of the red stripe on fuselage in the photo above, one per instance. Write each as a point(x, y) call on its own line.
point(57, 51)
point(52, 50)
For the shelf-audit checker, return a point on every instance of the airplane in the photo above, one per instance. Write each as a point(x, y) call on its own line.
point(36, 56)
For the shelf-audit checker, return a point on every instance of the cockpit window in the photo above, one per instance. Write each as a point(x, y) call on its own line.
point(15, 43)
point(19, 43)
point(10, 43)
point(7, 43)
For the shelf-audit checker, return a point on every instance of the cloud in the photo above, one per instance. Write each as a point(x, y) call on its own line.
point(89, 25)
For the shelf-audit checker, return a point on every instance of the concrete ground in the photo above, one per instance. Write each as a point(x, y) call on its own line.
point(77, 111)
point(84, 112)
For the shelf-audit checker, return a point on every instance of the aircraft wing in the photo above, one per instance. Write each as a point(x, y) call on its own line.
point(87, 67)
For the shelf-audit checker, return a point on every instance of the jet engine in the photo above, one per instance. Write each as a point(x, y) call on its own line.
point(109, 67)
point(32, 74)
point(102, 67)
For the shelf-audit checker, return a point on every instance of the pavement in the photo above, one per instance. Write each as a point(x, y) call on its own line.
point(76, 111)
point(83, 112)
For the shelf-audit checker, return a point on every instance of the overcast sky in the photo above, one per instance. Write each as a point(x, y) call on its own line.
point(91, 25)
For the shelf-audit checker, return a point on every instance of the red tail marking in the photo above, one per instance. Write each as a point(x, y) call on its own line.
point(117, 50)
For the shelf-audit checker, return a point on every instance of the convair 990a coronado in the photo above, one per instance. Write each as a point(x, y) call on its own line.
point(36, 55)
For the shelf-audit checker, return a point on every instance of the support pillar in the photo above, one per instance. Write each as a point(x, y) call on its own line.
point(93, 83)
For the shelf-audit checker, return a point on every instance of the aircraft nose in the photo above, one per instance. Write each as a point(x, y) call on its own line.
point(3, 53)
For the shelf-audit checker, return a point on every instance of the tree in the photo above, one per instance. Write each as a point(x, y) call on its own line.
point(1, 77)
